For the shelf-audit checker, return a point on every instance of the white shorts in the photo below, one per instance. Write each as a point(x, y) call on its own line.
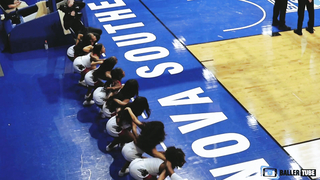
point(76, 63)
point(99, 96)
point(83, 61)
point(133, 169)
point(112, 126)
point(70, 51)
point(143, 167)
point(131, 152)
point(106, 111)
point(88, 78)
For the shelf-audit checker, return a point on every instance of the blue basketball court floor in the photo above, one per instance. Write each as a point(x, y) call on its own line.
point(47, 134)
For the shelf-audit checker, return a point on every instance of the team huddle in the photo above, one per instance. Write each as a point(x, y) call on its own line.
point(122, 105)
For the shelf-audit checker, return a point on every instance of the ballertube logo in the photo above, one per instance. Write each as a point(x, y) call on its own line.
point(269, 172)
point(273, 173)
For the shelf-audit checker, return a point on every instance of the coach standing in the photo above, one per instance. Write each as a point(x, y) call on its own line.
point(280, 7)
point(301, 8)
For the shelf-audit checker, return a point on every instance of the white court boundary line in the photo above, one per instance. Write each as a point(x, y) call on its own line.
point(244, 27)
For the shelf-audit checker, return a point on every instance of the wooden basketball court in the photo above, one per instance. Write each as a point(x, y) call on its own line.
point(277, 80)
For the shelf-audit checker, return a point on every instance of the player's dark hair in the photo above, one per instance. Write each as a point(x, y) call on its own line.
point(152, 133)
point(176, 156)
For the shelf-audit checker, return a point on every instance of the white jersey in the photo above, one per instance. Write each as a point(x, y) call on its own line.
point(99, 96)
point(70, 51)
point(131, 151)
point(141, 168)
point(82, 61)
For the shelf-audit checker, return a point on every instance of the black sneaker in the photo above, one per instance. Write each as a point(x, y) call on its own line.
point(284, 28)
point(310, 30)
point(297, 32)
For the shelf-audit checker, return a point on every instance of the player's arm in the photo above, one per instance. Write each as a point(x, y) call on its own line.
point(133, 117)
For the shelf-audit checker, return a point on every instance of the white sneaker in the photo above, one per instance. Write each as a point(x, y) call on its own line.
point(123, 173)
point(82, 83)
point(87, 103)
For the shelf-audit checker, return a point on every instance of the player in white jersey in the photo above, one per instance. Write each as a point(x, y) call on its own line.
point(101, 94)
point(152, 134)
point(150, 168)
point(83, 64)
point(95, 78)
point(117, 100)
point(71, 52)
point(120, 125)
